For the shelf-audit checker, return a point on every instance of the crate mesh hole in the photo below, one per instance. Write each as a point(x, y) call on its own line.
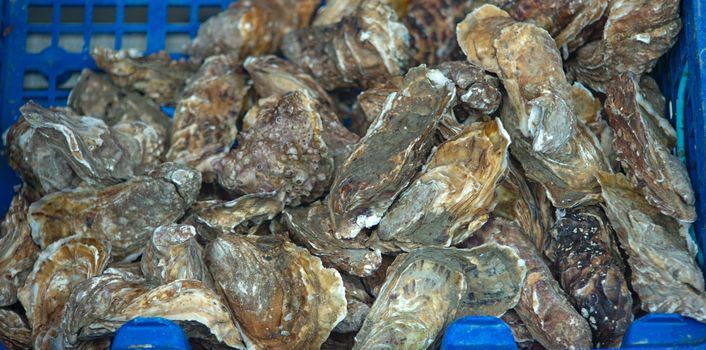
point(35, 80)
point(71, 42)
point(176, 42)
point(178, 14)
point(72, 14)
point(136, 41)
point(36, 42)
point(39, 14)
point(68, 80)
point(104, 14)
point(136, 14)
point(207, 11)
point(102, 40)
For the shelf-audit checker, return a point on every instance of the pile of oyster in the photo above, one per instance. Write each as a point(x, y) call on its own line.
point(359, 175)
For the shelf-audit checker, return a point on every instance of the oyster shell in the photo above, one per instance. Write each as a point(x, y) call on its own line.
point(358, 301)
point(58, 269)
point(14, 331)
point(333, 11)
point(374, 282)
point(520, 333)
point(644, 150)
point(206, 115)
point(250, 27)
point(369, 46)
point(311, 227)
point(283, 152)
point(453, 195)
point(582, 248)
point(477, 33)
point(395, 146)
point(370, 104)
point(477, 92)
point(125, 214)
point(430, 287)
point(281, 296)
point(664, 273)
point(543, 306)
point(156, 76)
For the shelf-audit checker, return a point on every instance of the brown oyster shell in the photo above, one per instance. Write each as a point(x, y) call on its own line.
point(543, 306)
point(14, 331)
point(370, 103)
point(477, 92)
point(281, 296)
point(644, 149)
point(206, 115)
point(520, 333)
point(358, 301)
point(430, 287)
point(476, 35)
point(455, 192)
point(385, 160)
point(250, 27)
point(333, 11)
point(311, 227)
point(366, 47)
point(284, 151)
point(156, 76)
point(374, 282)
point(125, 214)
point(664, 273)
point(58, 269)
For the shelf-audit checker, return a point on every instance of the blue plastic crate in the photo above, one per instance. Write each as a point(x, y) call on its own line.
point(680, 74)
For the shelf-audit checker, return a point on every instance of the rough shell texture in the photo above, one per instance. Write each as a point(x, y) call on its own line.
point(58, 269)
point(281, 296)
point(250, 27)
point(14, 332)
point(125, 214)
point(386, 159)
point(284, 151)
point(370, 103)
point(206, 115)
point(430, 287)
point(358, 301)
point(522, 335)
point(643, 148)
point(335, 10)
point(592, 273)
point(369, 46)
point(476, 35)
point(543, 306)
point(455, 192)
point(156, 76)
point(664, 273)
point(311, 227)
point(477, 92)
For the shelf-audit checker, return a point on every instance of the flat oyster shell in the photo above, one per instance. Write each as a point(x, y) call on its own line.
point(284, 151)
point(125, 214)
point(368, 46)
point(395, 145)
point(14, 331)
point(430, 287)
point(454, 193)
point(58, 269)
point(644, 151)
point(281, 296)
point(250, 27)
point(664, 273)
point(206, 115)
point(311, 227)
point(156, 76)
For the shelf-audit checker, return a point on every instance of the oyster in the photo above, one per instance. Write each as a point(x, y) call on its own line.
point(131, 271)
point(156, 76)
point(173, 254)
point(664, 273)
point(358, 301)
point(58, 269)
point(283, 152)
point(370, 104)
point(125, 214)
point(206, 115)
point(543, 306)
point(592, 273)
point(17, 251)
point(636, 34)
point(430, 287)
point(644, 148)
point(250, 27)
point(453, 194)
point(374, 282)
point(386, 159)
point(522, 335)
point(477, 92)
point(477, 33)
point(14, 331)
point(311, 227)
point(281, 296)
point(333, 11)
point(366, 47)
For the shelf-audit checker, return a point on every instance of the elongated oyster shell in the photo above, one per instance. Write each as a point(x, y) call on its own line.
point(430, 287)
point(368, 46)
point(592, 273)
point(250, 27)
point(644, 151)
point(125, 214)
point(385, 160)
point(636, 34)
point(370, 104)
point(206, 115)
point(358, 305)
point(156, 76)
point(17, 251)
point(543, 306)
point(58, 269)
point(14, 331)
point(454, 193)
point(311, 227)
point(281, 296)
point(664, 273)
point(284, 152)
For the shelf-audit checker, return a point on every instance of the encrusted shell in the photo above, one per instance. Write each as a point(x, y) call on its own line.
point(14, 331)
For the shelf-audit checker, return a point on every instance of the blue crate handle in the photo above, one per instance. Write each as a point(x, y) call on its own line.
point(478, 333)
point(150, 333)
